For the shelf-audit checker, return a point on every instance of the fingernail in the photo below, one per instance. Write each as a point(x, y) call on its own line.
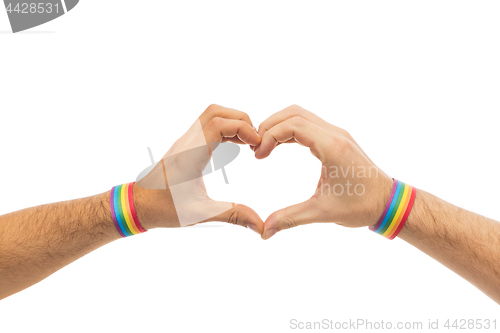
point(253, 227)
point(269, 233)
point(255, 130)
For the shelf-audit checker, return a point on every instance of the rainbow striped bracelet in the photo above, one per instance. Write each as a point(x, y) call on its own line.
point(397, 210)
point(123, 210)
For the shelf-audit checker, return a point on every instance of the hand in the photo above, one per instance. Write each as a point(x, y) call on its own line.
point(352, 191)
point(173, 193)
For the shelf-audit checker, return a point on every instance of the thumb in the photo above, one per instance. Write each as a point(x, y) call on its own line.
point(289, 217)
point(240, 215)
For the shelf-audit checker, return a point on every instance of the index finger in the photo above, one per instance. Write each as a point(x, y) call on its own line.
point(290, 112)
point(294, 111)
point(222, 112)
point(296, 128)
point(220, 128)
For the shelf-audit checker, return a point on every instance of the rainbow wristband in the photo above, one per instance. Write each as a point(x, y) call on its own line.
point(123, 210)
point(397, 210)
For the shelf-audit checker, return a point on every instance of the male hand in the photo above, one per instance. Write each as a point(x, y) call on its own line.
point(352, 191)
point(173, 193)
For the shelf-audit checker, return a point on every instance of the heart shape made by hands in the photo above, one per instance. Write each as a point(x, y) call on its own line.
point(349, 192)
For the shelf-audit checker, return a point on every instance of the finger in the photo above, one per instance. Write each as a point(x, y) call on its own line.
point(240, 215)
point(298, 129)
point(219, 128)
point(295, 110)
point(219, 111)
point(290, 112)
point(289, 217)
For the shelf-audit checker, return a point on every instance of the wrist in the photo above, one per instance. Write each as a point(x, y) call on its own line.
point(396, 211)
point(155, 208)
point(146, 218)
point(380, 198)
point(123, 212)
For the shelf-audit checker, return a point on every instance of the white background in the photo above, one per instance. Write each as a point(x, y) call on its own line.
point(416, 83)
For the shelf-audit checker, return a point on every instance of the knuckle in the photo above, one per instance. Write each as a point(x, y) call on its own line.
point(216, 122)
point(344, 132)
point(270, 133)
point(341, 144)
point(297, 121)
point(294, 109)
point(211, 109)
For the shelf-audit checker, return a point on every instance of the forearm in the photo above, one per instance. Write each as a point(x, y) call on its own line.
point(467, 243)
point(36, 242)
